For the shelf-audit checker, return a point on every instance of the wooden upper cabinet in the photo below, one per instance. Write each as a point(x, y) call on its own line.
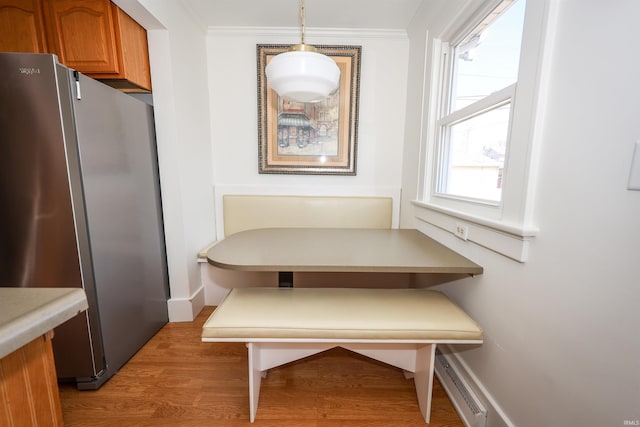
point(81, 34)
point(22, 26)
point(98, 39)
point(133, 49)
point(94, 37)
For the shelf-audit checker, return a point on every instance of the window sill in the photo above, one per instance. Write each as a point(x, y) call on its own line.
point(509, 240)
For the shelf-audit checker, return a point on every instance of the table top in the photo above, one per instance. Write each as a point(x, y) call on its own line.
point(27, 313)
point(338, 250)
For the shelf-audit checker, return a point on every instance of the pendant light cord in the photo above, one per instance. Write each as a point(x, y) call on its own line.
point(302, 18)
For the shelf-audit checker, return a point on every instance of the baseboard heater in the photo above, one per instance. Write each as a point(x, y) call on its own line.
point(467, 404)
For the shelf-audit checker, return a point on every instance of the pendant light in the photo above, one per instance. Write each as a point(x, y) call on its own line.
point(302, 73)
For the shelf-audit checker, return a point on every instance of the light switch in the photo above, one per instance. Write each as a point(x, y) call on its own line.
point(634, 175)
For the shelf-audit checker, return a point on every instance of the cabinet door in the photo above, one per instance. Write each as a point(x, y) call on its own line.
point(82, 34)
point(131, 39)
point(29, 393)
point(22, 26)
point(135, 52)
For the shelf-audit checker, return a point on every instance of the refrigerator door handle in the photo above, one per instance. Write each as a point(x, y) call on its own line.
point(76, 76)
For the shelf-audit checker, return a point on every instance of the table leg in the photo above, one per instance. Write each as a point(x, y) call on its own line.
point(285, 279)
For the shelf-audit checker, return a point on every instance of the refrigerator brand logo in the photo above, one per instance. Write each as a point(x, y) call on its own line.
point(29, 70)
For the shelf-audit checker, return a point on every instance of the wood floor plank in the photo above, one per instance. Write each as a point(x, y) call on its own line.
point(176, 380)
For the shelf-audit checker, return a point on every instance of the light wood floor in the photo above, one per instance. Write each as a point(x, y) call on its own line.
point(176, 380)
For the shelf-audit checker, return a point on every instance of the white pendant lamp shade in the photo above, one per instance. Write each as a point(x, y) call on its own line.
point(302, 75)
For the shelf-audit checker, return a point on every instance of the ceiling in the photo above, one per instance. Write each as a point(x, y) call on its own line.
point(374, 14)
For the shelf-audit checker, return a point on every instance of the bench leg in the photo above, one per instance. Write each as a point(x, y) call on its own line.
point(417, 361)
point(423, 378)
point(264, 356)
point(255, 378)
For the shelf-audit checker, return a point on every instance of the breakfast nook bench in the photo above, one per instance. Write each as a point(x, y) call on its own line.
point(400, 327)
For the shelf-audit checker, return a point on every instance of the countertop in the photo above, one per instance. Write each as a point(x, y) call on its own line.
point(27, 313)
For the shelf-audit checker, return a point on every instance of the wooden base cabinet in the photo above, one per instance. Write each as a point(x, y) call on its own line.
point(28, 386)
point(94, 37)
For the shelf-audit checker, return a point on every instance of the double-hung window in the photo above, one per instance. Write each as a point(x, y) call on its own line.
point(480, 76)
point(479, 165)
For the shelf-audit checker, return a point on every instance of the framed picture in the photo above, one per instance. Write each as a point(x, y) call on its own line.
point(309, 138)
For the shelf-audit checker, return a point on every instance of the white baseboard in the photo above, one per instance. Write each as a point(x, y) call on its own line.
point(496, 417)
point(186, 309)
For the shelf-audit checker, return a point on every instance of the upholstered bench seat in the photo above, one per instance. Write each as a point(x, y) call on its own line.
point(342, 313)
point(400, 327)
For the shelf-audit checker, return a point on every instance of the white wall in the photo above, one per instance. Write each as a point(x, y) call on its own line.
point(561, 342)
point(205, 97)
point(561, 330)
point(234, 114)
point(430, 19)
point(177, 52)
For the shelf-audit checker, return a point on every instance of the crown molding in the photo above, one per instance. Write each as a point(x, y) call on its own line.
point(315, 33)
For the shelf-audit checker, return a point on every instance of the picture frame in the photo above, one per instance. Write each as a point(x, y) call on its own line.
point(309, 138)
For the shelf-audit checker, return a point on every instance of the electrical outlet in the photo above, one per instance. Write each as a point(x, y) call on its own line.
point(461, 231)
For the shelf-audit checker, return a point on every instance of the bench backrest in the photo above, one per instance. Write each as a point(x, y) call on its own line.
point(248, 212)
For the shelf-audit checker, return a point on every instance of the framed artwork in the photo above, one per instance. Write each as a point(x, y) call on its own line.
point(309, 138)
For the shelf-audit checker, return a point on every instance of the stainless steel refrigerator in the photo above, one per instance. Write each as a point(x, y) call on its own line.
point(80, 206)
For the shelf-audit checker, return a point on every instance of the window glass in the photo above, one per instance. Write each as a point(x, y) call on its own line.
point(487, 59)
point(476, 155)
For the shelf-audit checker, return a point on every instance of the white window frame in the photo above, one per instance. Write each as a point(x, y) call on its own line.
point(486, 104)
point(507, 226)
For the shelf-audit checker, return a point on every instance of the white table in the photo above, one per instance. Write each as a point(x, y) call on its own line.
point(288, 250)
